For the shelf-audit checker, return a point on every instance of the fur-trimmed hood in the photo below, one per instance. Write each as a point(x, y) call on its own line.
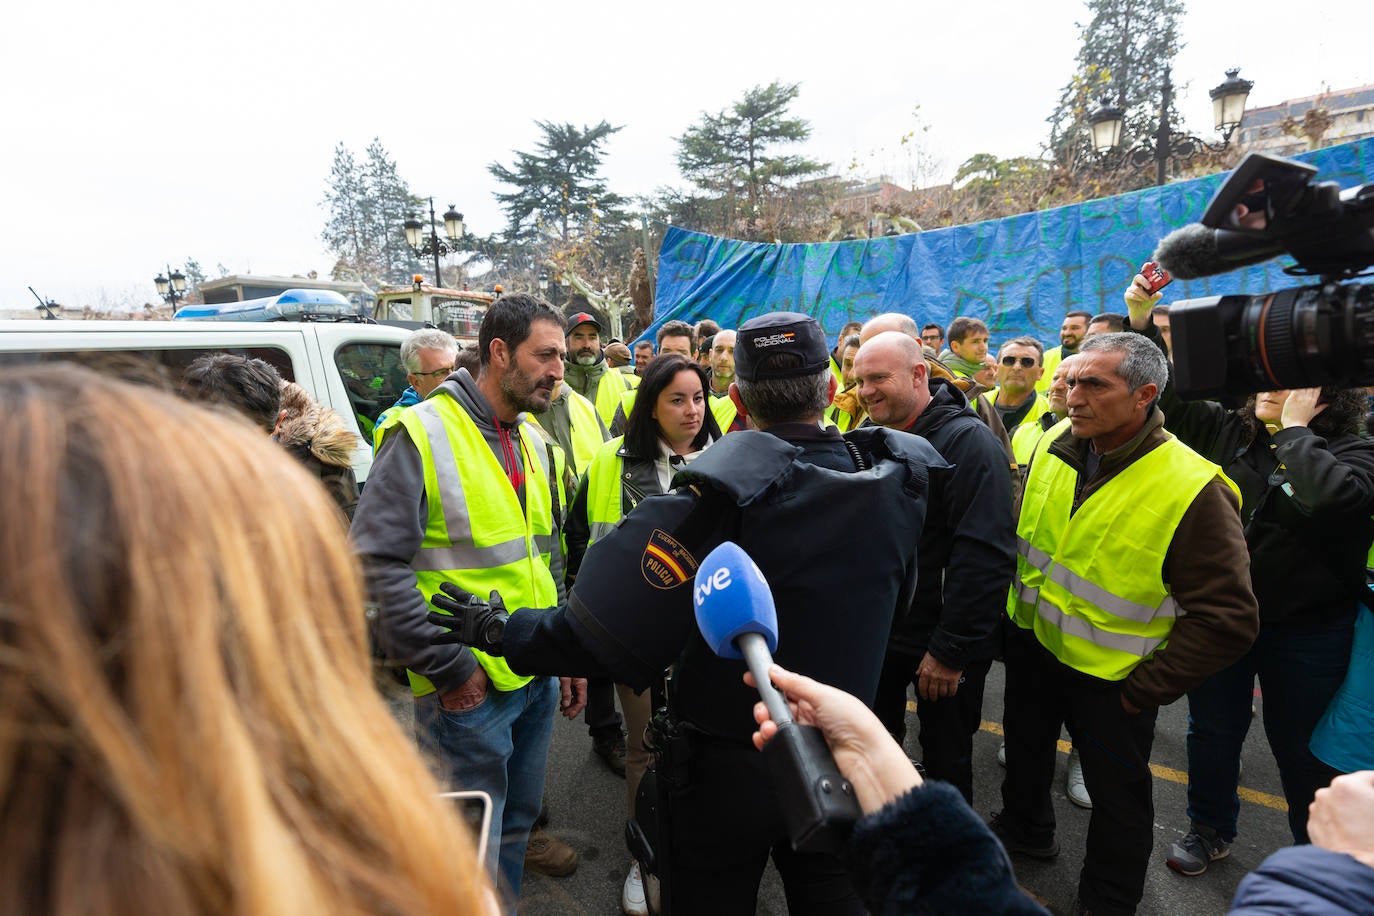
point(311, 427)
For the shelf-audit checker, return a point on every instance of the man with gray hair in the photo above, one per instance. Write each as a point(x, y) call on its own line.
point(1132, 586)
point(429, 355)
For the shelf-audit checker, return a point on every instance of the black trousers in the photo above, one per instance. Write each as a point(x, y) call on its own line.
point(725, 824)
point(947, 726)
point(600, 715)
point(1114, 748)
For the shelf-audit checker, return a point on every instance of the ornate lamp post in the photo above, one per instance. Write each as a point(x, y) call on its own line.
point(172, 287)
point(433, 245)
point(1104, 124)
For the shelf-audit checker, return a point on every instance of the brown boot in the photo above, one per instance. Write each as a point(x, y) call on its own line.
point(548, 855)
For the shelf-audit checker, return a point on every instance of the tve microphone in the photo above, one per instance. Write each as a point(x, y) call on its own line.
point(737, 618)
point(1197, 251)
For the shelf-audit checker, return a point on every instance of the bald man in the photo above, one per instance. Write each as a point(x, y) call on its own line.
point(965, 558)
point(905, 324)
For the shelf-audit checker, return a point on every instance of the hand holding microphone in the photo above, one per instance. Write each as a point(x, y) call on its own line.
point(865, 753)
point(734, 609)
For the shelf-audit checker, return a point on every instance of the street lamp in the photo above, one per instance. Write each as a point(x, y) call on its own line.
point(543, 282)
point(173, 289)
point(1104, 124)
point(433, 245)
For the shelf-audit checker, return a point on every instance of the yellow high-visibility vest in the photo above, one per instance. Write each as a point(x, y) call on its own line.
point(725, 411)
point(1023, 442)
point(1091, 585)
point(1053, 357)
point(603, 489)
point(612, 385)
point(585, 431)
point(1039, 407)
point(476, 535)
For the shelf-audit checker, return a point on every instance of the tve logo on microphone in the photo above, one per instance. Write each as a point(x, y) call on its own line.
point(731, 597)
point(716, 581)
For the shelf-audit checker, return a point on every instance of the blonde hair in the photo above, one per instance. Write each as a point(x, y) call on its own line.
point(187, 716)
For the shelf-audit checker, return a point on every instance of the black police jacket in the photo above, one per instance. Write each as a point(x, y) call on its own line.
point(795, 501)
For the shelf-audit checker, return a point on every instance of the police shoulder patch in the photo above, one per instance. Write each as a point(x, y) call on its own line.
point(666, 564)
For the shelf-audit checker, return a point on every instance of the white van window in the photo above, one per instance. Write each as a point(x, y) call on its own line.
point(374, 377)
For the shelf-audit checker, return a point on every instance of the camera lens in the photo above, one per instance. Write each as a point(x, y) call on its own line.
point(1308, 337)
point(1294, 338)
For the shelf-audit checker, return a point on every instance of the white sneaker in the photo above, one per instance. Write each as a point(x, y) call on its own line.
point(632, 902)
point(1002, 754)
point(1077, 790)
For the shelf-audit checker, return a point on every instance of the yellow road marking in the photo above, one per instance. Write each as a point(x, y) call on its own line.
point(1163, 772)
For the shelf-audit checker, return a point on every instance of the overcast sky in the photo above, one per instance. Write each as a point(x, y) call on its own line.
point(143, 133)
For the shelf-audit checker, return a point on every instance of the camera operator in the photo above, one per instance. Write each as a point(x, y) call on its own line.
point(1307, 484)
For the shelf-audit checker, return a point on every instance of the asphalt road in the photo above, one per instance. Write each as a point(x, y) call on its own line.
point(586, 804)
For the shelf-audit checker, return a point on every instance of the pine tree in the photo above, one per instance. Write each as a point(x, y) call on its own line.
point(1126, 46)
point(559, 193)
point(391, 202)
point(346, 230)
point(730, 154)
point(367, 206)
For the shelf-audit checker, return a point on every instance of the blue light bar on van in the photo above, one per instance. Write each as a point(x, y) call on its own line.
point(288, 306)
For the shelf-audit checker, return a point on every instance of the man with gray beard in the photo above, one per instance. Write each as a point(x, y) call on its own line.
point(586, 370)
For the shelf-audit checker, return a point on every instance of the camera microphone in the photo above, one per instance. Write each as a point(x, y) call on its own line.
point(1196, 251)
point(737, 618)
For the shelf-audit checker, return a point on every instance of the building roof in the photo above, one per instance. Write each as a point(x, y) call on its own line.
point(1334, 101)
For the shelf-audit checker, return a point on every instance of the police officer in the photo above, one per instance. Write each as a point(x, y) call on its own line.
point(630, 612)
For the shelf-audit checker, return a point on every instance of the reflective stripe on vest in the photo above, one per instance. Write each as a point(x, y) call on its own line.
point(603, 490)
point(1091, 585)
point(476, 535)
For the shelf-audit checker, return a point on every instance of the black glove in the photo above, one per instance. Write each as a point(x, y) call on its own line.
point(470, 621)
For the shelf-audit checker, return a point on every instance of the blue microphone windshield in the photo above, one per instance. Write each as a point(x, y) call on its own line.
point(732, 598)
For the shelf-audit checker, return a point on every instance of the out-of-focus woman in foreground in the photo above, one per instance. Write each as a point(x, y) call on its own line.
point(183, 727)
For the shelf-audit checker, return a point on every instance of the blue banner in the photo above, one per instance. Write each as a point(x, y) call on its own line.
point(1020, 275)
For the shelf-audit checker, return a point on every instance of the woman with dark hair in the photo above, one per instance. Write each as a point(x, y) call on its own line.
point(670, 424)
point(1306, 478)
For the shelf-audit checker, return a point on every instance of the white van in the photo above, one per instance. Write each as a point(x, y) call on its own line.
point(355, 368)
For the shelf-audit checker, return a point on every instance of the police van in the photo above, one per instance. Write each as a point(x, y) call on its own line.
point(351, 366)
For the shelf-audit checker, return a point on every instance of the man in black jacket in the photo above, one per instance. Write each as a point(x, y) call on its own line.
point(966, 557)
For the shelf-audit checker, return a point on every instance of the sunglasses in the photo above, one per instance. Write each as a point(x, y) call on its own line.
point(441, 372)
point(1025, 362)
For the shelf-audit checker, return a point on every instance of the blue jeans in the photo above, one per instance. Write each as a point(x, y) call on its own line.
point(500, 746)
point(1300, 668)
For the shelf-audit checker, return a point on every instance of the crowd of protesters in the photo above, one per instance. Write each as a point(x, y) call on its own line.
point(1115, 547)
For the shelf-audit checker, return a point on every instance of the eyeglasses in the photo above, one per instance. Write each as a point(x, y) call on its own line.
point(1025, 362)
point(441, 372)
